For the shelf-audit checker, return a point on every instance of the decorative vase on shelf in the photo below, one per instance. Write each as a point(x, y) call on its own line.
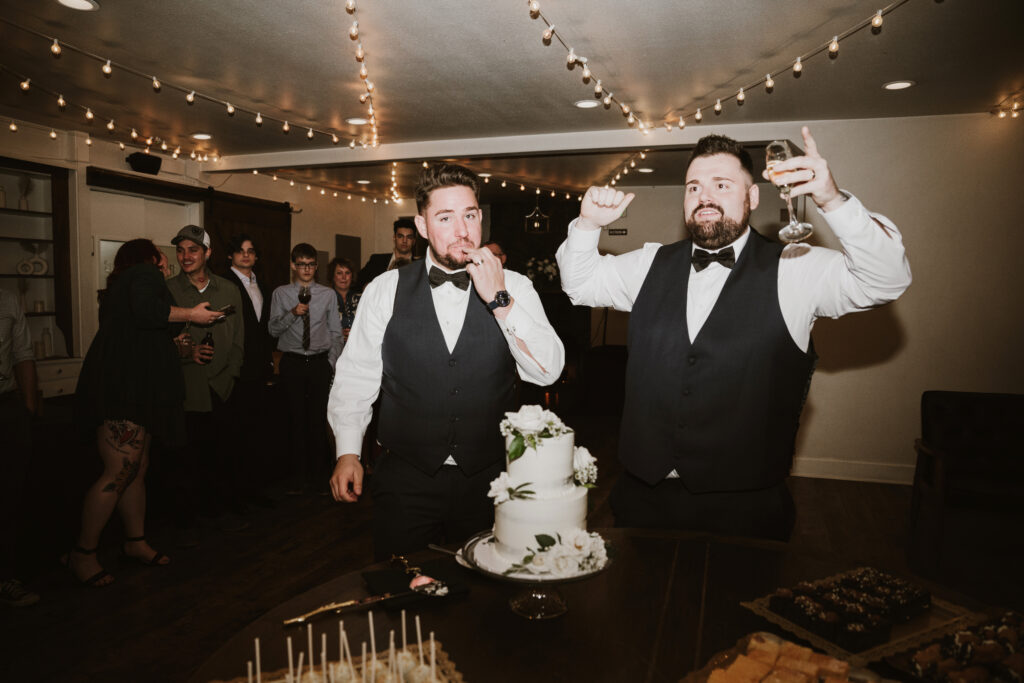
point(47, 339)
point(25, 188)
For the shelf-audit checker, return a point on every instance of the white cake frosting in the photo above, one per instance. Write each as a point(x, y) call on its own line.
point(541, 499)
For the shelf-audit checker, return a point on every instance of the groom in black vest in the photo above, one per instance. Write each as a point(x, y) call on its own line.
point(441, 341)
point(720, 355)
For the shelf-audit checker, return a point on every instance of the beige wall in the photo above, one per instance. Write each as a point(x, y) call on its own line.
point(952, 184)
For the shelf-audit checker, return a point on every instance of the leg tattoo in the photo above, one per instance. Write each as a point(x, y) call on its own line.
point(124, 436)
point(129, 468)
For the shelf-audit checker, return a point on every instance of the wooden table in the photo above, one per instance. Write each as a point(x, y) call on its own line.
point(665, 605)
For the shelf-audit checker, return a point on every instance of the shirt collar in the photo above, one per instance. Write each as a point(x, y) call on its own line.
point(737, 244)
point(242, 276)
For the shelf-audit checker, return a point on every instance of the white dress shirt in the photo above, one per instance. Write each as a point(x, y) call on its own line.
point(358, 373)
point(813, 282)
point(249, 282)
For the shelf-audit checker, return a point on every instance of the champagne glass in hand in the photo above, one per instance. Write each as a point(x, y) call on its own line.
point(794, 231)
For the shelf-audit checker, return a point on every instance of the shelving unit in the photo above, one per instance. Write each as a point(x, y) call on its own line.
point(35, 259)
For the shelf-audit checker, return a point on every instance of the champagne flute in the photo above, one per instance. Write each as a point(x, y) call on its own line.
point(794, 231)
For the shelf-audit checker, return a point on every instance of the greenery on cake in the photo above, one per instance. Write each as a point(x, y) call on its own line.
point(528, 426)
point(502, 490)
point(577, 553)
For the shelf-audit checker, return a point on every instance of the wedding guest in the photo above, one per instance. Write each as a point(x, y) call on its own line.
point(348, 299)
point(19, 403)
point(204, 465)
point(304, 318)
point(405, 241)
point(497, 250)
point(720, 352)
point(441, 341)
point(130, 392)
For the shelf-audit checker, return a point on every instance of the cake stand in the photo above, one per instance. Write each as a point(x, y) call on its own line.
point(539, 598)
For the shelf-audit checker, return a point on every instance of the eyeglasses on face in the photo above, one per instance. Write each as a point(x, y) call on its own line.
point(305, 264)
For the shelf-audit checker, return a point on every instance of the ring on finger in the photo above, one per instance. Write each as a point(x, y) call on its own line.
point(814, 174)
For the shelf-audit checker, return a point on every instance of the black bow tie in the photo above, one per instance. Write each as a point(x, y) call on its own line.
point(702, 259)
point(438, 277)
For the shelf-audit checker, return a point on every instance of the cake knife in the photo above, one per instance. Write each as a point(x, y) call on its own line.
point(347, 604)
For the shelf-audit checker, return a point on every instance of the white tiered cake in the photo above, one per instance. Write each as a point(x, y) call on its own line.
point(541, 500)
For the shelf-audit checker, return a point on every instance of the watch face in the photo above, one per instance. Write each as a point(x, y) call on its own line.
point(502, 298)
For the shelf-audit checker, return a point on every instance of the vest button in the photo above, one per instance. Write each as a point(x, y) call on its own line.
point(454, 447)
point(453, 419)
point(455, 391)
point(686, 392)
point(692, 360)
point(451, 363)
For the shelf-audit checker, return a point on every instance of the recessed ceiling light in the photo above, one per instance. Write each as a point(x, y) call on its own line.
point(484, 175)
point(201, 136)
point(356, 121)
point(898, 85)
point(363, 182)
point(587, 104)
point(83, 5)
point(645, 170)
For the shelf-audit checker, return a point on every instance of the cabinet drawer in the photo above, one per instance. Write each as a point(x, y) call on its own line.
point(58, 387)
point(55, 370)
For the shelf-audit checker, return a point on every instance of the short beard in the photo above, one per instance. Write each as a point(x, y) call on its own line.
point(447, 261)
point(717, 234)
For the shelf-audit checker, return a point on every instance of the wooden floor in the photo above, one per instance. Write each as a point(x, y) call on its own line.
point(160, 624)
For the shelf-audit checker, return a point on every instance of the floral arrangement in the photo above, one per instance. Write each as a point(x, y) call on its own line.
point(528, 426)
point(578, 552)
point(542, 269)
point(502, 490)
point(584, 467)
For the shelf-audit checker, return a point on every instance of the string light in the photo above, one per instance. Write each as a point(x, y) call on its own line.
point(88, 114)
point(13, 127)
point(259, 119)
point(353, 31)
point(110, 125)
point(350, 6)
point(798, 66)
point(769, 82)
point(741, 96)
point(548, 32)
point(718, 106)
point(682, 123)
point(53, 134)
point(134, 134)
point(597, 88)
point(360, 53)
point(26, 84)
point(833, 47)
point(106, 68)
point(191, 97)
point(285, 128)
point(534, 8)
point(156, 84)
point(876, 21)
point(61, 102)
point(698, 117)
point(88, 140)
point(571, 57)
point(55, 48)
point(230, 109)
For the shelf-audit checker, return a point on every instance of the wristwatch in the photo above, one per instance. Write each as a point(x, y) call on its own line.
point(501, 299)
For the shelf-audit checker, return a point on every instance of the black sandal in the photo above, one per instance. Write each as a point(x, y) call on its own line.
point(92, 581)
point(151, 562)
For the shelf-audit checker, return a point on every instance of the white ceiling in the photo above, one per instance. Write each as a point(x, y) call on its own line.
point(472, 79)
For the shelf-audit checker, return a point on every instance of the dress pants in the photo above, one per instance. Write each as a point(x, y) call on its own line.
point(763, 513)
point(412, 508)
point(200, 472)
point(307, 383)
point(16, 427)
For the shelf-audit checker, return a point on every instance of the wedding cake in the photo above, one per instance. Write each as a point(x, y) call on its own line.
point(540, 517)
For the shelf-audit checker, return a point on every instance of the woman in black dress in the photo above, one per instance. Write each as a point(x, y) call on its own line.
point(130, 390)
point(342, 281)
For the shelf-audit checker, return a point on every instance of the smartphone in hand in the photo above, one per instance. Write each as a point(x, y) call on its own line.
point(227, 310)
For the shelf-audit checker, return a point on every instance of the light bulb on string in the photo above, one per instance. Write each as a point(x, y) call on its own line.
point(88, 140)
point(308, 188)
point(352, 144)
point(53, 134)
point(798, 66)
point(608, 100)
point(88, 114)
point(769, 82)
point(177, 150)
point(682, 123)
point(350, 6)
point(134, 134)
point(360, 53)
point(833, 47)
point(291, 183)
point(121, 145)
point(163, 146)
point(567, 195)
point(632, 163)
point(156, 84)
point(61, 102)
point(285, 128)
point(174, 155)
point(259, 119)
point(538, 190)
point(548, 33)
point(586, 73)
point(643, 155)
point(362, 98)
point(363, 73)
point(571, 57)
point(876, 21)
point(149, 140)
point(110, 125)
point(353, 31)
point(309, 134)
point(230, 109)
point(552, 193)
point(191, 97)
point(369, 86)
point(107, 68)
point(625, 108)
point(55, 48)
point(334, 138)
point(26, 84)
point(631, 119)
point(741, 96)
point(13, 127)
point(534, 8)
point(598, 88)
point(190, 156)
point(718, 106)
point(698, 117)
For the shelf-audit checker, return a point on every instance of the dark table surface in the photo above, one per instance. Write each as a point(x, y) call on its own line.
point(667, 602)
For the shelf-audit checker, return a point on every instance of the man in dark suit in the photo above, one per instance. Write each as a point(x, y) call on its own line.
point(405, 241)
point(248, 401)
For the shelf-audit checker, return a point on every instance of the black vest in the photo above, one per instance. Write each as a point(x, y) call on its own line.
point(435, 403)
point(723, 411)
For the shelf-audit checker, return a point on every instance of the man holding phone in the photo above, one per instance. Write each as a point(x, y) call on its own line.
point(210, 373)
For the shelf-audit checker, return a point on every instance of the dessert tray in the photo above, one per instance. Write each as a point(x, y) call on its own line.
point(925, 625)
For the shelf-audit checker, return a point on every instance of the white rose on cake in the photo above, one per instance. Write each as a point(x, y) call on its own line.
point(499, 489)
point(532, 420)
point(584, 467)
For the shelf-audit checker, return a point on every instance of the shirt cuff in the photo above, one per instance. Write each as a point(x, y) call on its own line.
point(581, 240)
point(518, 322)
point(348, 442)
point(848, 217)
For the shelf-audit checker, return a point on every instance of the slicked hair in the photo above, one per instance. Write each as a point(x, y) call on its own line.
point(710, 145)
point(438, 176)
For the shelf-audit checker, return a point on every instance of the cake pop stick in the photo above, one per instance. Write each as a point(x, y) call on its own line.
point(433, 676)
point(373, 648)
point(248, 670)
point(348, 653)
point(404, 644)
point(323, 655)
point(291, 662)
point(298, 671)
point(419, 639)
point(259, 677)
point(309, 643)
point(364, 661)
point(391, 653)
point(341, 640)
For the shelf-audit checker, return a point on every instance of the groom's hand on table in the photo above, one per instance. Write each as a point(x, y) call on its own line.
point(347, 480)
